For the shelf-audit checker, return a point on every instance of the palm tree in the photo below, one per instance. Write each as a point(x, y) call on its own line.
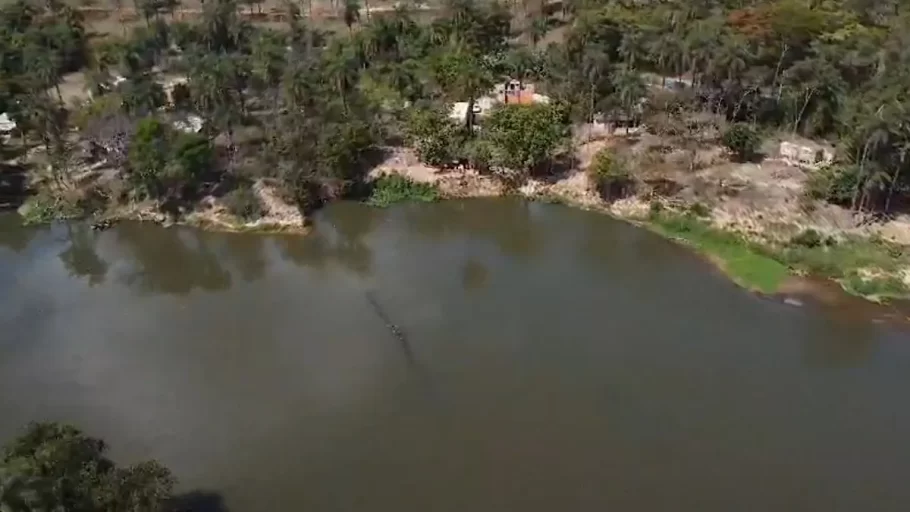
point(815, 87)
point(540, 25)
point(629, 89)
point(351, 13)
point(632, 49)
point(216, 93)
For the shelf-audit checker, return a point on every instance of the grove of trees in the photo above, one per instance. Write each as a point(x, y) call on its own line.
point(309, 109)
point(55, 467)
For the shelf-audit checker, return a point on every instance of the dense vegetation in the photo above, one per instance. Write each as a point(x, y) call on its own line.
point(57, 467)
point(309, 108)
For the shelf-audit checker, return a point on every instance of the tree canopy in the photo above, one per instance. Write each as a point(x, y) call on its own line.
point(309, 108)
point(53, 466)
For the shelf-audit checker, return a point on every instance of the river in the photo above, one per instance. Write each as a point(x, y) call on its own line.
point(547, 359)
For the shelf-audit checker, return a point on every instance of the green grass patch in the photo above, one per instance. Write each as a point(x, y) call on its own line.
point(742, 261)
point(43, 208)
point(869, 268)
point(394, 188)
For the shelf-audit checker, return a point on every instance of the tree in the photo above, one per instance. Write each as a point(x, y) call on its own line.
point(217, 84)
point(742, 140)
point(433, 135)
point(815, 88)
point(610, 175)
point(464, 75)
point(525, 137)
point(190, 156)
point(148, 156)
point(351, 13)
point(522, 64)
point(629, 90)
point(56, 467)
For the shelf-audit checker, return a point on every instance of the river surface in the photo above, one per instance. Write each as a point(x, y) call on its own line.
point(546, 359)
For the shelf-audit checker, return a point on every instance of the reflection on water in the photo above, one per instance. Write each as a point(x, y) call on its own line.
point(839, 343)
point(171, 261)
point(512, 230)
point(472, 355)
point(80, 258)
point(475, 275)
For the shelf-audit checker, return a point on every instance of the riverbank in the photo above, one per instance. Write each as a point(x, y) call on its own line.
point(211, 212)
point(760, 237)
point(761, 250)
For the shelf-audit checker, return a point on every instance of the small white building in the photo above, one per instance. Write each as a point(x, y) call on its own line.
point(7, 125)
point(805, 154)
point(459, 110)
point(509, 92)
point(192, 124)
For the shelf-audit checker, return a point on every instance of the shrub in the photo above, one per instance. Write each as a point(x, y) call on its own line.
point(610, 175)
point(72, 203)
point(435, 138)
point(191, 156)
point(742, 141)
point(53, 466)
point(395, 188)
point(834, 184)
point(809, 238)
point(148, 156)
point(164, 162)
point(525, 137)
point(699, 209)
point(655, 208)
point(242, 202)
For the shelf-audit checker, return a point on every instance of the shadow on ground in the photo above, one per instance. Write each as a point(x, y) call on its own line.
point(199, 501)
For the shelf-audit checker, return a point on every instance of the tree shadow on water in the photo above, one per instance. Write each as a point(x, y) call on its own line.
point(199, 501)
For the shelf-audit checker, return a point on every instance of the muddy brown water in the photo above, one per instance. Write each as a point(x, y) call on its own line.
point(545, 359)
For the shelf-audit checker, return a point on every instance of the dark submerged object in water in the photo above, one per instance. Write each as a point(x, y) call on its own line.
point(103, 225)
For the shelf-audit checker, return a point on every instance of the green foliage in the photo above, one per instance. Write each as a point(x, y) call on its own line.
point(879, 288)
point(834, 183)
point(808, 238)
point(190, 156)
point(871, 268)
point(148, 156)
point(525, 137)
point(45, 207)
point(163, 162)
point(699, 209)
point(243, 202)
point(742, 140)
point(394, 188)
point(610, 175)
point(57, 467)
point(745, 265)
point(848, 256)
point(435, 138)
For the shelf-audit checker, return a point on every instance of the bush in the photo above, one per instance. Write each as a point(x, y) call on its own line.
point(699, 210)
point(525, 137)
point(394, 188)
point(610, 175)
point(742, 141)
point(190, 157)
point(655, 208)
point(70, 203)
point(834, 183)
point(148, 156)
point(435, 138)
point(243, 202)
point(57, 467)
point(809, 238)
point(164, 162)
